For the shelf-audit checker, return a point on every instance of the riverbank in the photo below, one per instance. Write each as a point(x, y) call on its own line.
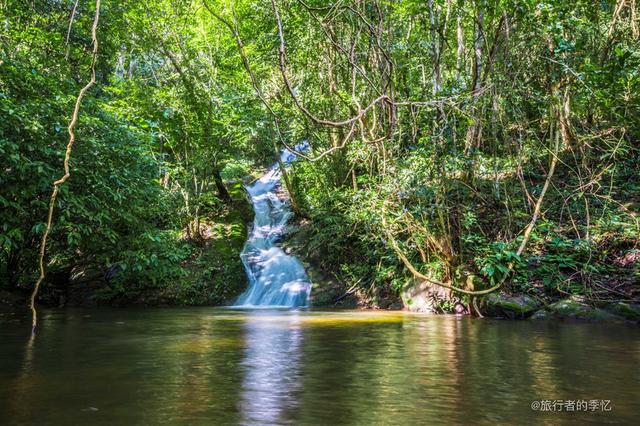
point(498, 306)
point(329, 290)
point(199, 271)
point(213, 275)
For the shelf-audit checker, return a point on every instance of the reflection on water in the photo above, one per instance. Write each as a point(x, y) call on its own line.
point(210, 366)
point(271, 367)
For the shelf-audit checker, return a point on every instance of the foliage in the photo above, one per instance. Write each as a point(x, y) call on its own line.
point(433, 123)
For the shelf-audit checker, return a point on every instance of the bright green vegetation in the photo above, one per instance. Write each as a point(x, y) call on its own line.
point(477, 144)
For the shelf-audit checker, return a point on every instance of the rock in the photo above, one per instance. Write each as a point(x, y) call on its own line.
point(540, 315)
point(84, 281)
point(326, 291)
point(511, 307)
point(396, 306)
point(421, 296)
point(629, 259)
point(573, 309)
point(460, 309)
point(628, 311)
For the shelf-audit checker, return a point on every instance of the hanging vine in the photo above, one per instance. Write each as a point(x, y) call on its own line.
point(67, 172)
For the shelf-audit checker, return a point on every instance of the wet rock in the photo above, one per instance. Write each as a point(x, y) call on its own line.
point(511, 307)
point(628, 311)
point(573, 309)
point(396, 306)
point(540, 315)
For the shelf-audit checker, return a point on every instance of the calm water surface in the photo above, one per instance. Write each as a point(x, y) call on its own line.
point(218, 366)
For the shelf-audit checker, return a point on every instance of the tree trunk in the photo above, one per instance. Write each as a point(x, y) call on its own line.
point(223, 194)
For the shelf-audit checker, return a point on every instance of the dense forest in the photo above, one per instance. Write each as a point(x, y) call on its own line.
point(456, 149)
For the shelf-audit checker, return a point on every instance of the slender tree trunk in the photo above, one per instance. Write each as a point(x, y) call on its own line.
point(434, 17)
point(223, 193)
point(474, 130)
point(460, 47)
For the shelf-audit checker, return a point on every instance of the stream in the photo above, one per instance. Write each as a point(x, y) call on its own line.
point(276, 279)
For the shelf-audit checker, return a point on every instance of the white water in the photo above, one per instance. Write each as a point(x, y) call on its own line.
point(275, 278)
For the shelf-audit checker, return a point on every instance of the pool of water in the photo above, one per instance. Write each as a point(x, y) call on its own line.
point(220, 366)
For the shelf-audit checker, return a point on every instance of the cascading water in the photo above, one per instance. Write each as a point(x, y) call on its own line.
point(275, 278)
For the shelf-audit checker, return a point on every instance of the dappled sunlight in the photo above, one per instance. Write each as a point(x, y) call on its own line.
point(196, 196)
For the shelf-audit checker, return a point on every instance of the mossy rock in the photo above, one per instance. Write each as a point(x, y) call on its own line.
point(572, 309)
point(628, 311)
point(325, 291)
point(512, 307)
point(241, 202)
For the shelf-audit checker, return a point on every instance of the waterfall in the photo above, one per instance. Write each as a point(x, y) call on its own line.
point(275, 278)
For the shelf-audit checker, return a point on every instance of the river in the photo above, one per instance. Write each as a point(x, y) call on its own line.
point(220, 366)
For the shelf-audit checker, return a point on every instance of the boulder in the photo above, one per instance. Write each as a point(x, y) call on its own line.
point(628, 311)
point(422, 296)
point(511, 307)
point(573, 309)
point(326, 291)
